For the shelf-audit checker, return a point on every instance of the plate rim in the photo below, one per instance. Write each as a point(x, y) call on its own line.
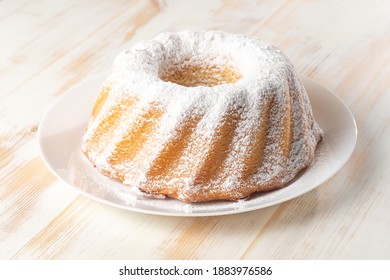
point(100, 77)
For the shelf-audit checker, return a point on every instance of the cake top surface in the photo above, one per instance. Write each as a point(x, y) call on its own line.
point(227, 63)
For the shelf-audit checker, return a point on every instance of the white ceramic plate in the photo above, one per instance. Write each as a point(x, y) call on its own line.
point(62, 127)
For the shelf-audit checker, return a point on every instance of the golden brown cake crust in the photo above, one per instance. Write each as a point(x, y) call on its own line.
point(202, 116)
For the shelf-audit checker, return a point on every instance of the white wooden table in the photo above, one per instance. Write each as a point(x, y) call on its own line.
point(49, 46)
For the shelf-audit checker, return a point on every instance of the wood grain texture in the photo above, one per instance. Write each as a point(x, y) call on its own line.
point(52, 45)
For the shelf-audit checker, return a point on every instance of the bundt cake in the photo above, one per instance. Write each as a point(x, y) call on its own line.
point(202, 116)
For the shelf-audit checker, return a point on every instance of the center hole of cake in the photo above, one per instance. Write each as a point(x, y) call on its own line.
point(209, 71)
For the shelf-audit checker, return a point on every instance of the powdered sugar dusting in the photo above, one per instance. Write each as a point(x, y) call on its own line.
point(255, 94)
